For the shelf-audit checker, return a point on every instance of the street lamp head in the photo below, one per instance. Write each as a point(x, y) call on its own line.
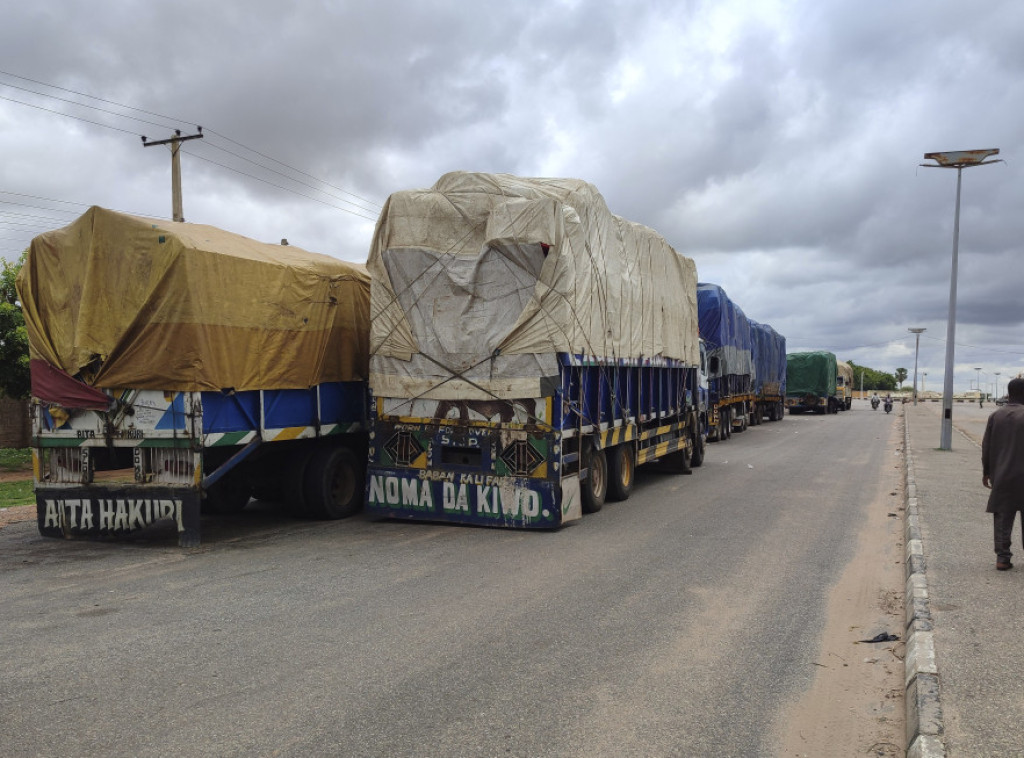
point(961, 158)
point(916, 329)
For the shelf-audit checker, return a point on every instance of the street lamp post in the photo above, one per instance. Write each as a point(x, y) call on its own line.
point(924, 380)
point(981, 395)
point(997, 383)
point(917, 348)
point(958, 159)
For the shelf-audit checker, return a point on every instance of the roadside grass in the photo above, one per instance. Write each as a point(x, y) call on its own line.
point(16, 493)
point(15, 459)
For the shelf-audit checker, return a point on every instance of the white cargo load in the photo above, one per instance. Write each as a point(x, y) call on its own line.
point(479, 282)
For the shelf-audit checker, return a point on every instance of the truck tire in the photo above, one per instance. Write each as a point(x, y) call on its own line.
point(621, 472)
point(725, 424)
point(742, 427)
point(333, 486)
point(594, 488)
point(697, 458)
point(675, 463)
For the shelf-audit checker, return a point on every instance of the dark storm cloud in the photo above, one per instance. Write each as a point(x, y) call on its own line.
point(776, 143)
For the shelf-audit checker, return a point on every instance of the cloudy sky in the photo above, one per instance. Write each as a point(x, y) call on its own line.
point(776, 143)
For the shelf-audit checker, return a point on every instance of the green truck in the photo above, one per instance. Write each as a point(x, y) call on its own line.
point(811, 382)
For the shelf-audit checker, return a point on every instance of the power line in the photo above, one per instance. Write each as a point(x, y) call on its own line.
point(86, 105)
point(37, 197)
point(67, 202)
point(289, 178)
point(83, 94)
point(265, 181)
point(68, 115)
point(299, 171)
point(375, 206)
point(12, 214)
point(18, 224)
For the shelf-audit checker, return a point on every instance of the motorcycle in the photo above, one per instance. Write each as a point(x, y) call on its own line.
point(888, 405)
point(874, 403)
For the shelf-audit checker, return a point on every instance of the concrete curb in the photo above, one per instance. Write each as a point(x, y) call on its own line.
point(923, 709)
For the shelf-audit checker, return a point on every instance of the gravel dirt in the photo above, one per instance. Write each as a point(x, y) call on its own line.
point(855, 705)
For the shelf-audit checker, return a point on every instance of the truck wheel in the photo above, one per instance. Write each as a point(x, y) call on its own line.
point(621, 472)
point(725, 429)
point(697, 459)
point(333, 485)
point(675, 463)
point(594, 488)
point(229, 495)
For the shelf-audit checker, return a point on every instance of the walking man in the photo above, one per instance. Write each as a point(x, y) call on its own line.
point(1002, 465)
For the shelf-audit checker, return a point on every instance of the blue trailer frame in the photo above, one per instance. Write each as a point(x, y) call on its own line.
point(569, 449)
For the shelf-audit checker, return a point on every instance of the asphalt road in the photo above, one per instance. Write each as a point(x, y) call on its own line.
point(681, 622)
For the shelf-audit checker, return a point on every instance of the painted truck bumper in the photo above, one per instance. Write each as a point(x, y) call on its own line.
point(471, 498)
point(100, 511)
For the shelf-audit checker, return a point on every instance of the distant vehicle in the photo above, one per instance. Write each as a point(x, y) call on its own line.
point(811, 382)
point(1003, 400)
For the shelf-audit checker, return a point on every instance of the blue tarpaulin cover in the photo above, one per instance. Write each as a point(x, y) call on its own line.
point(769, 359)
point(725, 330)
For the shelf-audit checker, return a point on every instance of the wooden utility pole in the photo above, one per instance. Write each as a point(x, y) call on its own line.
point(175, 143)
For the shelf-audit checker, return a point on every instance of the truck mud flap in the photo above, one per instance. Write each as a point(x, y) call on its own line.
point(96, 512)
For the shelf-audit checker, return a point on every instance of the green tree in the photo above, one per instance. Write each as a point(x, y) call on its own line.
point(901, 376)
point(14, 376)
point(872, 379)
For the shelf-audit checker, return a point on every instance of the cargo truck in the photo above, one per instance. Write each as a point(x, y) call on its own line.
point(178, 368)
point(529, 349)
point(811, 382)
point(844, 385)
point(725, 329)
point(769, 351)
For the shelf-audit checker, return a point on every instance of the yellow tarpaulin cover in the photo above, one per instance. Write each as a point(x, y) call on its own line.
point(126, 301)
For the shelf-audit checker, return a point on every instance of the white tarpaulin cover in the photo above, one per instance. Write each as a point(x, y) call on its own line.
point(478, 283)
